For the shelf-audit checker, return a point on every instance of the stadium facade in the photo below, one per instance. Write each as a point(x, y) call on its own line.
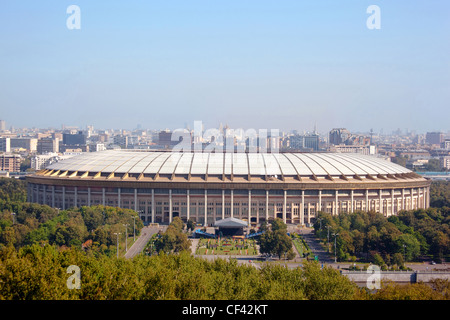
point(206, 187)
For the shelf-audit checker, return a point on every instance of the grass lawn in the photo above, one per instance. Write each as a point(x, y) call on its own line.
point(227, 247)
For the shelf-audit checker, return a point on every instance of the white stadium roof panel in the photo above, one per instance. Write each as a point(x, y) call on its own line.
point(215, 165)
point(330, 165)
point(256, 163)
point(199, 163)
point(301, 167)
point(184, 164)
point(286, 165)
point(271, 163)
point(312, 165)
point(241, 164)
point(156, 164)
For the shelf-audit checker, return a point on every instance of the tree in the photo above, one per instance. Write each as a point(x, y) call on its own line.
point(326, 283)
point(397, 259)
point(173, 240)
point(282, 244)
point(378, 260)
point(276, 242)
point(408, 245)
point(278, 224)
point(190, 225)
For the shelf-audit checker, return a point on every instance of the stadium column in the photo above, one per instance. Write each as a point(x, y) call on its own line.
point(135, 200)
point(380, 201)
point(367, 200)
point(419, 198)
point(411, 199)
point(249, 207)
point(89, 196)
point(351, 205)
point(302, 209)
point(170, 206)
point(103, 196)
point(392, 202)
point(64, 198)
point(76, 198)
point(267, 206)
point(44, 195)
point(231, 204)
point(206, 208)
point(336, 200)
point(53, 196)
point(320, 201)
point(153, 205)
point(284, 205)
point(188, 204)
point(403, 199)
point(223, 204)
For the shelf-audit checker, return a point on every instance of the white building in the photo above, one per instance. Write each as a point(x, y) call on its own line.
point(41, 161)
point(5, 144)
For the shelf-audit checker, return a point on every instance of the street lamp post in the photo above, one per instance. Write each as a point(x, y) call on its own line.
point(335, 235)
point(134, 228)
point(126, 237)
point(328, 239)
point(117, 234)
point(404, 252)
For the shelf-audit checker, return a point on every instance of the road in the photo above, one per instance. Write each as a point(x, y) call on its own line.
point(139, 245)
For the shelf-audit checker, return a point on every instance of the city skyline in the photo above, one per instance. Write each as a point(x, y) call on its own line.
point(288, 66)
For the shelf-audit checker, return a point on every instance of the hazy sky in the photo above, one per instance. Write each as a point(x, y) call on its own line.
point(284, 64)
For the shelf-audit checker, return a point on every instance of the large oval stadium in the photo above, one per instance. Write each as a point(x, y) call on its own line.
point(206, 187)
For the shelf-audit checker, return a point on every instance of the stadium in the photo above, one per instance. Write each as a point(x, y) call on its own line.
point(206, 187)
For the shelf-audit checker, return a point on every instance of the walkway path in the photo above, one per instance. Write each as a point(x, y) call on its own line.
point(139, 245)
point(315, 246)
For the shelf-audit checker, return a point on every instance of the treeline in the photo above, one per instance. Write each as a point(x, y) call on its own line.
point(37, 272)
point(369, 236)
point(40, 273)
point(12, 190)
point(23, 224)
point(440, 194)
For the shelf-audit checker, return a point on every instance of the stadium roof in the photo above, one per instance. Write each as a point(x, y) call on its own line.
point(230, 223)
point(267, 166)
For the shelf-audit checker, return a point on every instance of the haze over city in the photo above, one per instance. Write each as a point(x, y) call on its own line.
point(285, 65)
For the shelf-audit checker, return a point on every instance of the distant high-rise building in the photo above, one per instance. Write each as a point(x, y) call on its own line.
point(5, 144)
point(445, 162)
point(29, 144)
point(74, 139)
point(10, 162)
point(338, 136)
point(2, 125)
point(446, 144)
point(304, 142)
point(46, 145)
point(311, 141)
point(121, 141)
point(434, 137)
